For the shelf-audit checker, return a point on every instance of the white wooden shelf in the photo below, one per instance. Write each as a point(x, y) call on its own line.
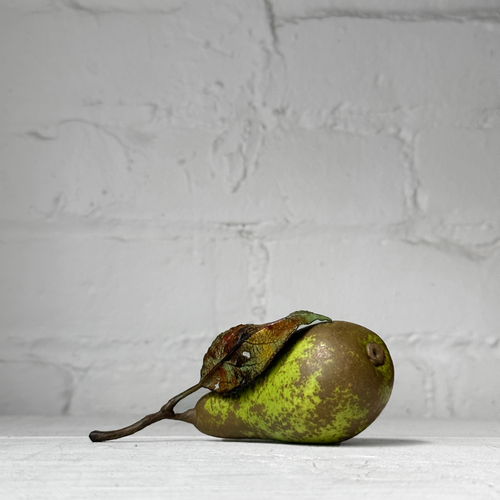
point(52, 458)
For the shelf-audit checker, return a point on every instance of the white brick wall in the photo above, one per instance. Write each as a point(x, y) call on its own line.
point(169, 169)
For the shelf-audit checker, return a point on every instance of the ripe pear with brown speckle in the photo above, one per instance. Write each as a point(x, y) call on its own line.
point(326, 386)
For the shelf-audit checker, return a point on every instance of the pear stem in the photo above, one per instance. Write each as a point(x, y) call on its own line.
point(166, 412)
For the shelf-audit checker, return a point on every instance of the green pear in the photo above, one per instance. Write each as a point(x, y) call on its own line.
point(326, 386)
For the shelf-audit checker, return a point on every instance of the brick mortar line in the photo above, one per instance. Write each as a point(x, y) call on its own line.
point(396, 16)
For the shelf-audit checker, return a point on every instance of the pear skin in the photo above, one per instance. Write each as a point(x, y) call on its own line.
point(327, 385)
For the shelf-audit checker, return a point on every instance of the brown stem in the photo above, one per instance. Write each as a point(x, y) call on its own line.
point(169, 407)
point(166, 412)
point(126, 431)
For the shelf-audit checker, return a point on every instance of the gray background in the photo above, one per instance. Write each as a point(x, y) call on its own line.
point(169, 169)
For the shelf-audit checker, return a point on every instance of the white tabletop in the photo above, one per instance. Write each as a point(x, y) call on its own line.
point(52, 458)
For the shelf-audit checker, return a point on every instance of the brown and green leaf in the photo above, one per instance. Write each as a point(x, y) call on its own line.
point(233, 360)
point(243, 352)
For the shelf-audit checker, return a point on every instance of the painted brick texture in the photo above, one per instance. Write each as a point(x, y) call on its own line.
point(169, 169)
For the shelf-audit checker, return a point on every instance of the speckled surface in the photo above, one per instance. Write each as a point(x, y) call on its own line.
point(324, 388)
point(51, 458)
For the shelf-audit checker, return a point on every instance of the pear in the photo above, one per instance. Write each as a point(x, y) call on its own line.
point(327, 386)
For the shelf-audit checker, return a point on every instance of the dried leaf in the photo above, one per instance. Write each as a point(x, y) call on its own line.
point(243, 352)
